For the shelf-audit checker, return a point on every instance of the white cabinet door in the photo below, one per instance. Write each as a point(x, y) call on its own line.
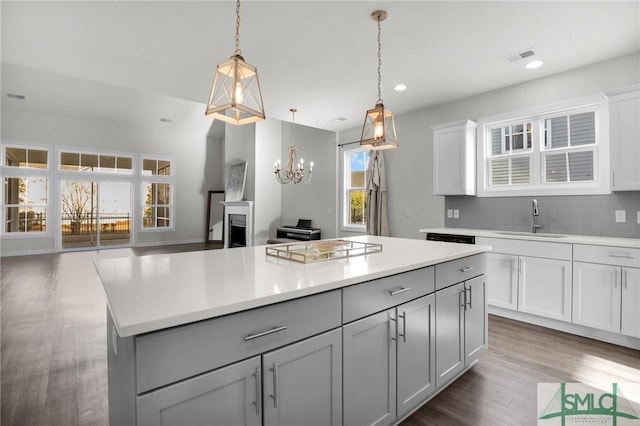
point(454, 158)
point(631, 302)
point(416, 352)
point(544, 287)
point(502, 273)
point(625, 140)
point(596, 296)
point(475, 318)
point(303, 383)
point(369, 370)
point(449, 333)
point(227, 396)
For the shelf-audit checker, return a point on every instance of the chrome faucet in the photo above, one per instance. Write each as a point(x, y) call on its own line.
point(535, 212)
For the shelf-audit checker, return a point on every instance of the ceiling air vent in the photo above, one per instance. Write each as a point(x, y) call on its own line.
point(514, 57)
point(16, 96)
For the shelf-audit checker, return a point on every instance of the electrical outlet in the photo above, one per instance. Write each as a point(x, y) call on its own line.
point(621, 216)
point(456, 214)
point(407, 212)
point(449, 213)
point(639, 217)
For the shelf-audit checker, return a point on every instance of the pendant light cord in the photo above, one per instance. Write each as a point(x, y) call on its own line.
point(379, 62)
point(238, 52)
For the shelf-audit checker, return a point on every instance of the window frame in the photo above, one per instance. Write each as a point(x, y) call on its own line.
point(98, 172)
point(149, 179)
point(601, 183)
point(17, 172)
point(346, 178)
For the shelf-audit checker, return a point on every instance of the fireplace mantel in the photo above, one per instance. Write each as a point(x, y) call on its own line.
point(238, 208)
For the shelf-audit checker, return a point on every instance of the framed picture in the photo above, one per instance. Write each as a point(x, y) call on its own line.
point(235, 182)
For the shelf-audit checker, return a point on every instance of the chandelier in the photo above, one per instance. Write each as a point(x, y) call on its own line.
point(293, 170)
point(379, 130)
point(235, 94)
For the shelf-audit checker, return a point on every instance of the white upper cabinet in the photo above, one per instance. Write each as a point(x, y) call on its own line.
point(454, 158)
point(624, 109)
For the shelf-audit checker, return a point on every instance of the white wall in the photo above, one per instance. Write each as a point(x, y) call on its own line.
point(315, 200)
point(268, 192)
point(412, 204)
point(186, 143)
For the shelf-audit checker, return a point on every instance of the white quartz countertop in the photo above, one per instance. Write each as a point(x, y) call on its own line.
point(557, 238)
point(149, 293)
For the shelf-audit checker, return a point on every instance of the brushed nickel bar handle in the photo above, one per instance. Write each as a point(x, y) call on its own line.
point(615, 280)
point(404, 326)
point(624, 278)
point(274, 369)
point(622, 256)
point(466, 269)
point(264, 333)
point(470, 297)
point(398, 291)
point(391, 319)
point(256, 374)
point(464, 302)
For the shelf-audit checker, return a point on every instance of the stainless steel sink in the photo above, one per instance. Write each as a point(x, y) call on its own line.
point(531, 234)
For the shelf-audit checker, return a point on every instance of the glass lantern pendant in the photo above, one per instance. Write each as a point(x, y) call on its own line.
point(379, 130)
point(235, 94)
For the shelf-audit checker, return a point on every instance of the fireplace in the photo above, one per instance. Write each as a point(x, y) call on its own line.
point(238, 224)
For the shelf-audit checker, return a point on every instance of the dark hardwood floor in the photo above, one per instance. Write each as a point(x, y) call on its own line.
point(53, 356)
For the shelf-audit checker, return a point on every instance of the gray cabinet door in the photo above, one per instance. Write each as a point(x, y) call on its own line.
point(475, 318)
point(227, 396)
point(416, 352)
point(303, 382)
point(370, 370)
point(449, 333)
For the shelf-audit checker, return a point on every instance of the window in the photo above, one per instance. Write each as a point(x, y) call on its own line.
point(561, 149)
point(23, 157)
point(25, 204)
point(92, 162)
point(157, 209)
point(355, 193)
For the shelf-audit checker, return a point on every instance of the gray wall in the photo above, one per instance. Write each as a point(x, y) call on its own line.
point(412, 204)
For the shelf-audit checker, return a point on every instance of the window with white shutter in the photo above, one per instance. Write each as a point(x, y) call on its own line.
point(559, 149)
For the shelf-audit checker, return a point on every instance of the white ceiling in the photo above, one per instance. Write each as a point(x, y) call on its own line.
point(317, 56)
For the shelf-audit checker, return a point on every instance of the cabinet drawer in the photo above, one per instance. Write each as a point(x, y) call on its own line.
point(364, 299)
point(459, 270)
point(620, 256)
point(170, 355)
point(517, 247)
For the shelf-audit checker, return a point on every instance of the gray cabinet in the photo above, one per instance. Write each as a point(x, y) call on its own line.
point(416, 353)
point(227, 396)
point(389, 366)
point(461, 321)
point(624, 107)
point(297, 384)
point(369, 370)
point(303, 383)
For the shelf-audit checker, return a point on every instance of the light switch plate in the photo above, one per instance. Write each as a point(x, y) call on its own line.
point(638, 216)
point(621, 216)
point(456, 214)
point(449, 213)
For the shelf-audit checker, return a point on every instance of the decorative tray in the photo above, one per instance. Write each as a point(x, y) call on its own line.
point(321, 250)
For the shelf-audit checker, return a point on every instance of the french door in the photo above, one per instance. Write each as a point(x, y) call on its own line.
point(95, 213)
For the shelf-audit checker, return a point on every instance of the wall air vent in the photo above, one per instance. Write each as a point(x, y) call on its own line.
point(514, 57)
point(16, 96)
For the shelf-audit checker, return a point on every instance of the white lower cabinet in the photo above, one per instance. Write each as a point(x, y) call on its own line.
point(298, 384)
point(460, 327)
point(388, 363)
point(544, 287)
point(502, 270)
point(607, 297)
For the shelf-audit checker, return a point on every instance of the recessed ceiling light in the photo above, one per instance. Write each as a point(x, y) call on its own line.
point(400, 87)
point(165, 120)
point(339, 119)
point(534, 64)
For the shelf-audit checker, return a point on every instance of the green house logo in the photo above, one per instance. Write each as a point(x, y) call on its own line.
point(583, 405)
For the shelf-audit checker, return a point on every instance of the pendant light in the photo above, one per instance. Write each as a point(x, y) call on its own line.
point(379, 131)
point(235, 94)
point(294, 170)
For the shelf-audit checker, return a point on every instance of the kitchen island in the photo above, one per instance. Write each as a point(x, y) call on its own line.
point(233, 336)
